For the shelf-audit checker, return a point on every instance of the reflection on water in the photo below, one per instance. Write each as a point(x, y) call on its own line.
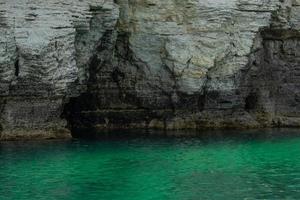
point(261, 164)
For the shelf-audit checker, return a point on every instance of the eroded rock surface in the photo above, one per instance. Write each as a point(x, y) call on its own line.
point(169, 64)
point(41, 61)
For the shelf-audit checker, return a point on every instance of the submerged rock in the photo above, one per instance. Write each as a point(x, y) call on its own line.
point(104, 64)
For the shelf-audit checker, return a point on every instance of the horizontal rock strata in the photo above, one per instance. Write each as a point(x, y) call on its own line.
point(42, 62)
point(104, 64)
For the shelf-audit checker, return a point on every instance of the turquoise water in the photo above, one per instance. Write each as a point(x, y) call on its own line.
point(221, 165)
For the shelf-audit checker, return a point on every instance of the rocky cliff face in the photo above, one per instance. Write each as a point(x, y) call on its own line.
point(104, 64)
point(43, 60)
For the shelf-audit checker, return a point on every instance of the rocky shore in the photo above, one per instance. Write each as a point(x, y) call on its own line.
point(70, 65)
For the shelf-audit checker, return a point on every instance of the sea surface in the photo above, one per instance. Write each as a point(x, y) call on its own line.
point(262, 164)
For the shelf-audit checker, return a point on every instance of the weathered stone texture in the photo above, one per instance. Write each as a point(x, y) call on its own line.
point(149, 63)
point(41, 59)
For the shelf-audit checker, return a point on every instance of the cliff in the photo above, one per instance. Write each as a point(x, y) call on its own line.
point(71, 65)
